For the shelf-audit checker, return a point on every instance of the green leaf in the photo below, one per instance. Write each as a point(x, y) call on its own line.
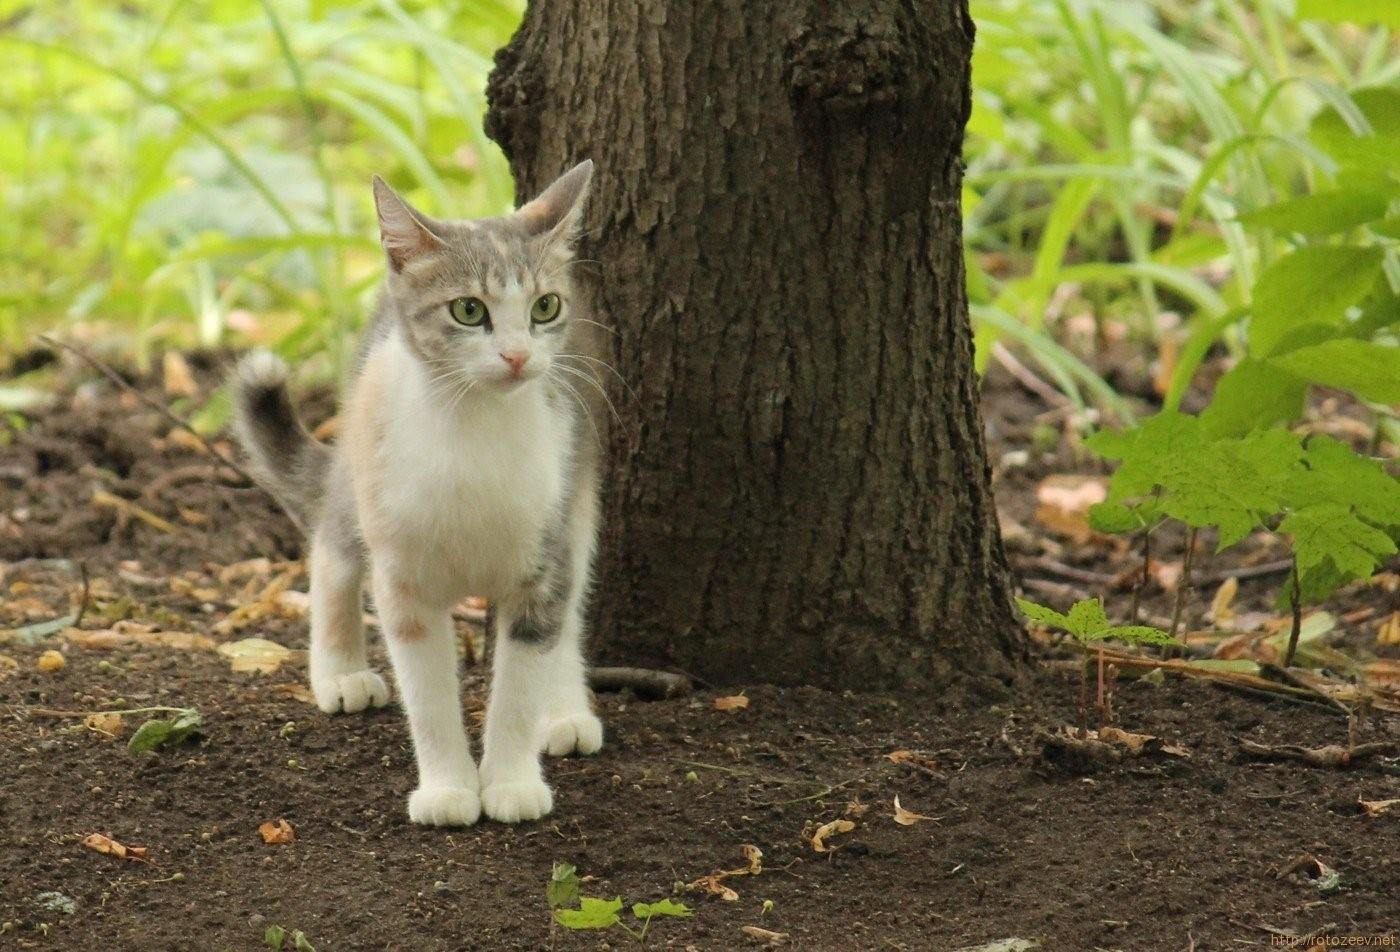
point(274, 936)
point(1046, 616)
point(159, 732)
point(665, 907)
point(1374, 146)
point(1332, 533)
point(1334, 473)
point(563, 886)
point(1139, 635)
point(1368, 369)
point(1314, 284)
point(1252, 395)
point(1364, 12)
point(301, 943)
point(1087, 619)
point(1325, 213)
point(591, 914)
point(1116, 518)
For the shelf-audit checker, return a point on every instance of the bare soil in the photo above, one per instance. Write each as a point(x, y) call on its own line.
point(1152, 853)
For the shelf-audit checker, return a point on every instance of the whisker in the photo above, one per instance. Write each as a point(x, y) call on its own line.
point(613, 370)
point(596, 386)
point(584, 320)
point(583, 405)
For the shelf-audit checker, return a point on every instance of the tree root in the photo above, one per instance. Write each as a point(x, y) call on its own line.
point(1331, 755)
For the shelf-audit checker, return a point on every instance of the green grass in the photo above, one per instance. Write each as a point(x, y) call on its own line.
point(194, 172)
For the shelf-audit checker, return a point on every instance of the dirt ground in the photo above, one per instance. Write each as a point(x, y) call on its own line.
point(1192, 850)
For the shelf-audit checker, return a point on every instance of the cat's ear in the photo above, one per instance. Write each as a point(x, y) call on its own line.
point(402, 229)
point(557, 210)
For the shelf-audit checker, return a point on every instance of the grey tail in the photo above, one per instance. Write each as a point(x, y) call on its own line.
point(285, 460)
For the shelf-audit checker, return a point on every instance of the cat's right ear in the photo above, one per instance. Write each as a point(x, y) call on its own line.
point(402, 230)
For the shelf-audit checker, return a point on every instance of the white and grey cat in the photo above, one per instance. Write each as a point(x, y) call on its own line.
point(463, 467)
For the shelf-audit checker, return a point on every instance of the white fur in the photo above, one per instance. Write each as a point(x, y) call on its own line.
point(453, 500)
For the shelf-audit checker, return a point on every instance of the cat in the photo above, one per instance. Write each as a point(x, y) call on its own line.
point(464, 466)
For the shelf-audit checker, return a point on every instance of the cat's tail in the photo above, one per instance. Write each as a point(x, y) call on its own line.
point(285, 460)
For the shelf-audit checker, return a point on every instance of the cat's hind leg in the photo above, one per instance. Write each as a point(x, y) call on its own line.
point(568, 724)
point(341, 678)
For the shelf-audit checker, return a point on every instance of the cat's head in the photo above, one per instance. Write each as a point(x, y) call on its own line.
point(485, 303)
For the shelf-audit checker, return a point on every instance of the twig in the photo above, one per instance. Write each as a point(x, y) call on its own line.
point(1245, 572)
point(1062, 570)
point(1329, 756)
point(646, 683)
point(1141, 585)
point(1288, 677)
point(1026, 378)
point(1295, 602)
point(82, 597)
point(171, 416)
point(1184, 583)
point(182, 475)
point(50, 712)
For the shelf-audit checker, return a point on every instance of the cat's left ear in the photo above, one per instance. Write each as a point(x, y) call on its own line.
point(557, 210)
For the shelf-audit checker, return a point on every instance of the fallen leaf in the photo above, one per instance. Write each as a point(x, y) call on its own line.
point(906, 817)
point(1388, 633)
point(123, 634)
point(1003, 945)
point(51, 662)
point(734, 702)
point(1375, 808)
point(8, 666)
point(764, 935)
point(159, 731)
point(192, 516)
point(714, 882)
point(754, 855)
point(126, 509)
point(1136, 743)
point(855, 810)
point(1063, 502)
point(296, 691)
point(110, 847)
point(900, 756)
point(277, 831)
point(834, 828)
point(1221, 612)
point(186, 441)
point(179, 381)
point(108, 722)
point(714, 886)
point(255, 654)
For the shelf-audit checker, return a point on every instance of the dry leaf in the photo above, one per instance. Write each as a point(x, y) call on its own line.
point(1389, 631)
point(105, 844)
point(1221, 612)
point(1063, 502)
point(8, 666)
point(900, 756)
point(713, 885)
point(1136, 743)
point(1166, 574)
point(255, 654)
point(907, 817)
point(754, 855)
point(714, 882)
point(732, 703)
point(296, 691)
point(1375, 808)
point(123, 633)
point(186, 441)
point(277, 831)
point(855, 810)
point(834, 828)
point(104, 722)
point(192, 516)
point(764, 935)
point(126, 509)
point(179, 381)
point(51, 662)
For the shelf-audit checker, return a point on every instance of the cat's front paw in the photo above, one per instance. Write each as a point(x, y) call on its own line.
point(351, 692)
point(444, 806)
point(512, 801)
point(581, 732)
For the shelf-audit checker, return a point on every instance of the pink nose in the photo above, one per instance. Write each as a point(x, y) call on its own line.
point(516, 359)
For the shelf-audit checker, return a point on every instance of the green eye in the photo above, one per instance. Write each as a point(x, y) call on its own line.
point(469, 312)
point(546, 309)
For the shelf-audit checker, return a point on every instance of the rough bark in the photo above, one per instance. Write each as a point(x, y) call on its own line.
point(798, 489)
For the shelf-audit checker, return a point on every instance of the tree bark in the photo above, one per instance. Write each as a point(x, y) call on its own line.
point(797, 489)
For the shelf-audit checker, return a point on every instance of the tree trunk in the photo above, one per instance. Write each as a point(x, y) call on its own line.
point(797, 489)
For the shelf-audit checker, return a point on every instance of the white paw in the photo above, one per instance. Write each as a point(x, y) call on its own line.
point(351, 693)
point(515, 800)
point(581, 732)
point(444, 806)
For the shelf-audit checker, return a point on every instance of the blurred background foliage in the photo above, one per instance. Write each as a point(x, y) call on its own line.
point(194, 172)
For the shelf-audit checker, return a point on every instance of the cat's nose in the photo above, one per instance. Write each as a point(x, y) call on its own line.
point(515, 359)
